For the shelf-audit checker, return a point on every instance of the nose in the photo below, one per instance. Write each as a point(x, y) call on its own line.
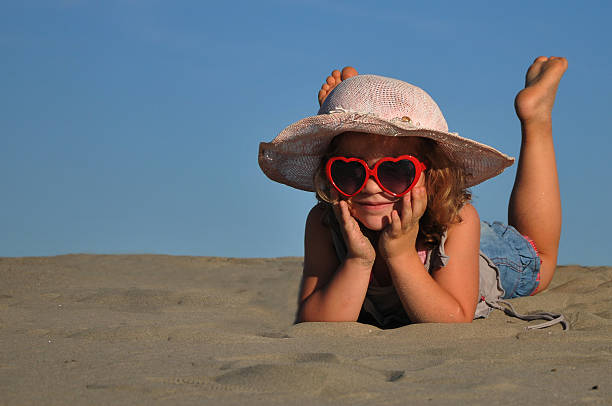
point(371, 187)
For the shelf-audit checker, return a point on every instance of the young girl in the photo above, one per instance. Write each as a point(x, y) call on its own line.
point(394, 239)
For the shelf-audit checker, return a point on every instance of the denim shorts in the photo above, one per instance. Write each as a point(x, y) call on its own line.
point(514, 256)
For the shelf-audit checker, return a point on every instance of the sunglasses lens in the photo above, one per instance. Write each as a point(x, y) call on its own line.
point(348, 176)
point(396, 176)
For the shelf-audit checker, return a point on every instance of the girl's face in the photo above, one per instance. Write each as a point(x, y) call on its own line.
point(373, 206)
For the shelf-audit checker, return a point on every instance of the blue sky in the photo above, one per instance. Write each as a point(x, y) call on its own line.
point(133, 126)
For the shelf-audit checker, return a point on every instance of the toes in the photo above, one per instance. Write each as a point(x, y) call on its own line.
point(543, 62)
point(333, 80)
point(559, 61)
point(348, 72)
point(534, 70)
point(329, 84)
point(532, 73)
point(546, 70)
point(336, 75)
point(325, 88)
point(321, 97)
point(537, 63)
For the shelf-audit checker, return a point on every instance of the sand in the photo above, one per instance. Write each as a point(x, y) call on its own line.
point(150, 329)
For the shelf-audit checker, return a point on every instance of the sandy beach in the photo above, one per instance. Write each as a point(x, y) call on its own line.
point(152, 329)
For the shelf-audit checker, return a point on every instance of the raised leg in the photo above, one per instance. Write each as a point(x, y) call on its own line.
point(535, 203)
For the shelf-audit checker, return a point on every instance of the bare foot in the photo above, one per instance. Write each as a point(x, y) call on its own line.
point(535, 102)
point(333, 80)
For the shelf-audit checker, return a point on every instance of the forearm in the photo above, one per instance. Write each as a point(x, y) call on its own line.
point(341, 299)
point(424, 300)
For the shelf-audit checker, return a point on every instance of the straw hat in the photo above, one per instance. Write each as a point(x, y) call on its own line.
point(377, 105)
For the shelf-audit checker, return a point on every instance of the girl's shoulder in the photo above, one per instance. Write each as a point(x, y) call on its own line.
point(320, 257)
point(468, 225)
point(321, 214)
point(468, 213)
point(319, 208)
point(318, 221)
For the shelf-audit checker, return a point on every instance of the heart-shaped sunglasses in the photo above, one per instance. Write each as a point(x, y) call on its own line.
point(395, 176)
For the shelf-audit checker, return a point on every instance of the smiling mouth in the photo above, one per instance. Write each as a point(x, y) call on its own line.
point(374, 206)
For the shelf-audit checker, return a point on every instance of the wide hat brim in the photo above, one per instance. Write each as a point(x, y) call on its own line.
point(294, 155)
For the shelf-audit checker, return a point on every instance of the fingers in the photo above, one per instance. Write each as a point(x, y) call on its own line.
point(336, 208)
point(414, 204)
point(407, 219)
point(344, 217)
point(395, 224)
point(345, 213)
point(340, 216)
point(419, 201)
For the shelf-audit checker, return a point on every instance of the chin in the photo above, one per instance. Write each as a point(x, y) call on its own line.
point(375, 226)
point(374, 223)
point(374, 220)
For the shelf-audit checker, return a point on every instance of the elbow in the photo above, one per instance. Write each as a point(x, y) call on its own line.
point(461, 319)
point(309, 315)
point(467, 317)
point(301, 316)
point(461, 315)
point(305, 315)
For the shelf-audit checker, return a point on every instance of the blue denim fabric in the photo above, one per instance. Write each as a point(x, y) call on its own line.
point(514, 256)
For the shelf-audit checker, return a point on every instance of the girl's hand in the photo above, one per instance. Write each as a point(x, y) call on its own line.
point(358, 246)
point(399, 237)
point(535, 102)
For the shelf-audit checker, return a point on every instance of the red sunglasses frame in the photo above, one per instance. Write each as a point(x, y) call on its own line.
point(373, 172)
